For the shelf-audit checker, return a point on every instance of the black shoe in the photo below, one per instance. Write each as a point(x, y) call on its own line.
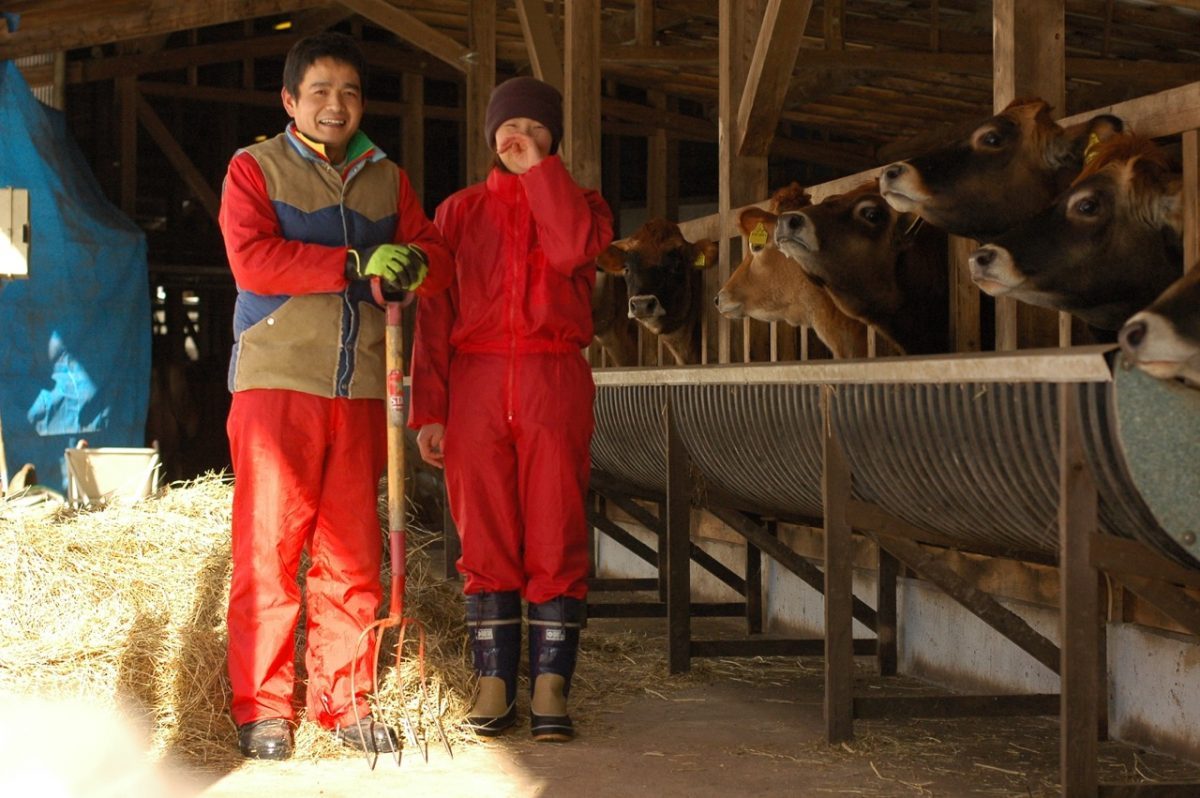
point(369, 736)
point(551, 728)
point(492, 725)
point(270, 738)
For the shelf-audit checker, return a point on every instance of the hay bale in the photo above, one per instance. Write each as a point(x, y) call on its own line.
point(125, 606)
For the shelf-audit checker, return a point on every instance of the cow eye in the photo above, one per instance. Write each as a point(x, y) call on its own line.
point(873, 214)
point(1087, 207)
point(991, 139)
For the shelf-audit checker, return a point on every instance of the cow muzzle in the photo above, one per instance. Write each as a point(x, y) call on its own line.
point(645, 306)
point(993, 270)
point(1152, 343)
point(899, 185)
point(794, 232)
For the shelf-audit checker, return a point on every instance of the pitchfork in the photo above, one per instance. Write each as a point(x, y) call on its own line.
point(397, 526)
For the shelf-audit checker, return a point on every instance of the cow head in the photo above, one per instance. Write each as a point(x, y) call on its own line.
point(1164, 339)
point(1107, 246)
point(866, 254)
point(663, 277)
point(1004, 172)
point(770, 286)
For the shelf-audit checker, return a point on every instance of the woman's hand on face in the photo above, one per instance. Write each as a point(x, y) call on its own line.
point(429, 441)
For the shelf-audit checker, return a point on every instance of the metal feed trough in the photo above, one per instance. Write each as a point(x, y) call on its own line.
point(1055, 456)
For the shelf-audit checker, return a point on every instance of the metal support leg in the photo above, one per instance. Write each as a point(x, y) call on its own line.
point(678, 542)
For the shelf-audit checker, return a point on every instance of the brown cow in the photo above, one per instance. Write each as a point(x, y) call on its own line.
point(770, 286)
point(1107, 246)
point(1164, 339)
point(663, 275)
point(1008, 169)
point(880, 266)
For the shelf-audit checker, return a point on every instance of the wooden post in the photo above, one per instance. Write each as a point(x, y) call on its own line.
point(481, 79)
point(1191, 198)
point(127, 93)
point(610, 170)
point(582, 96)
point(885, 611)
point(413, 132)
point(964, 298)
point(678, 545)
point(1077, 523)
point(1028, 60)
point(741, 179)
point(754, 584)
point(839, 638)
point(539, 42)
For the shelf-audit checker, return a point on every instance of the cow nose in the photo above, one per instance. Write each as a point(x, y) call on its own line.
point(791, 222)
point(982, 258)
point(894, 171)
point(1132, 335)
point(642, 306)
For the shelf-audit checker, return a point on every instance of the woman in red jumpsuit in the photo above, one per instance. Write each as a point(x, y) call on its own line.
point(502, 398)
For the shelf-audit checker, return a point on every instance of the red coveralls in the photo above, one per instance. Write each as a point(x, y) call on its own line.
point(308, 447)
point(497, 360)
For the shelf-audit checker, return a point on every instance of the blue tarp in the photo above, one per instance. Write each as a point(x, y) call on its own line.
point(75, 336)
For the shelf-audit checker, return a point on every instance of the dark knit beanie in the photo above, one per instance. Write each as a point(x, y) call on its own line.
point(524, 97)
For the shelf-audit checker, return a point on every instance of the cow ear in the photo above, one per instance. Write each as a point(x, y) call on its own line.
point(706, 254)
point(757, 225)
point(1081, 149)
point(611, 260)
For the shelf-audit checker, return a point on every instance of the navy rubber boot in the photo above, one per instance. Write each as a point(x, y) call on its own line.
point(553, 644)
point(494, 628)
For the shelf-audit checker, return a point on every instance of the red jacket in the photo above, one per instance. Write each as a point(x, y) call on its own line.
point(524, 250)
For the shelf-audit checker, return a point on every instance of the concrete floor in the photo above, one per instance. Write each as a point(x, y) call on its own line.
point(755, 729)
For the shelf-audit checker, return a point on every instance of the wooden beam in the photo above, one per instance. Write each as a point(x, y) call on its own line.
point(933, 567)
point(128, 99)
point(1029, 53)
point(412, 30)
point(270, 99)
point(839, 579)
point(40, 33)
point(1170, 600)
point(770, 73)
point(1191, 198)
point(582, 97)
point(544, 55)
point(412, 132)
point(481, 78)
point(758, 536)
point(178, 158)
point(740, 179)
point(678, 517)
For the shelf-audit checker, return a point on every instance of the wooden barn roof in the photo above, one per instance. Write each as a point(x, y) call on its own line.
point(874, 80)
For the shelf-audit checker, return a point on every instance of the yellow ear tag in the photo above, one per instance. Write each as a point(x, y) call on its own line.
point(758, 237)
point(1090, 151)
point(699, 262)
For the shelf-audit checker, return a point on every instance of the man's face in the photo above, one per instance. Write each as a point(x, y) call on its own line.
point(329, 107)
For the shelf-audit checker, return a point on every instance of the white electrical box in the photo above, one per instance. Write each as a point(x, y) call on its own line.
point(14, 233)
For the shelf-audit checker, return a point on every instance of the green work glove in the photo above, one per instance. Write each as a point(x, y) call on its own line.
point(400, 267)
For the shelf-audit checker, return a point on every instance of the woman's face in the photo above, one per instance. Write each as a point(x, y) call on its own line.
point(521, 143)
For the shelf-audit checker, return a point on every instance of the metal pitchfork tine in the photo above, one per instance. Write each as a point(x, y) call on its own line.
point(397, 545)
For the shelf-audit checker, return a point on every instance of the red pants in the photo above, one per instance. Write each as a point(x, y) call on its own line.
point(306, 474)
point(517, 469)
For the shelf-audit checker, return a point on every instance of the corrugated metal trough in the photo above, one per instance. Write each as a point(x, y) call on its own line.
point(962, 446)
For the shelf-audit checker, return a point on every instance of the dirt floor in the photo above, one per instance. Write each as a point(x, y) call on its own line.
point(728, 728)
